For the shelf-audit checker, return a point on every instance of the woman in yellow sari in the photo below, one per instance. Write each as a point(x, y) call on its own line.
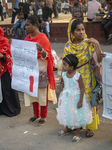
point(79, 44)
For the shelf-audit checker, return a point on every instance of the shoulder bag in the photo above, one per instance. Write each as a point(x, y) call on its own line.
point(43, 79)
point(96, 93)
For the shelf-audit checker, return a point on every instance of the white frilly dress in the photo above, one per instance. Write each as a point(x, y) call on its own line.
point(67, 113)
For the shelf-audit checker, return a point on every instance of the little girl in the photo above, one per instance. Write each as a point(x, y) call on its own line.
point(74, 109)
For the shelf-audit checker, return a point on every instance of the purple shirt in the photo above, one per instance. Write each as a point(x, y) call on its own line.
point(93, 7)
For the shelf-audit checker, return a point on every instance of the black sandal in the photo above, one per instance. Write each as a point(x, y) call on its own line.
point(89, 133)
point(41, 122)
point(33, 119)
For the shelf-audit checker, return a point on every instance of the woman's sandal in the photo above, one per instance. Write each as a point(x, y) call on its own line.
point(33, 119)
point(62, 133)
point(41, 122)
point(110, 38)
point(76, 139)
point(89, 133)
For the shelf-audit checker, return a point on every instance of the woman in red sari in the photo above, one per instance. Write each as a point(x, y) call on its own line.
point(45, 61)
point(9, 102)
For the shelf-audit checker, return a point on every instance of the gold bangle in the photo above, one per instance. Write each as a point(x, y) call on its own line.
point(42, 51)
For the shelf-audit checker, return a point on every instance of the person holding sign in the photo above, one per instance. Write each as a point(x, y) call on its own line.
point(9, 103)
point(45, 61)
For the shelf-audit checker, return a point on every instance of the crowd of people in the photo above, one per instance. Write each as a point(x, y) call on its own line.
point(74, 108)
point(44, 10)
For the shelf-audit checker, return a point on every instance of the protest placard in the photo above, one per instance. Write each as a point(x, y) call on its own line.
point(25, 72)
point(107, 86)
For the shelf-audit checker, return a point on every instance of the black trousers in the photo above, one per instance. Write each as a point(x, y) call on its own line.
point(89, 19)
point(1, 14)
point(10, 105)
point(106, 24)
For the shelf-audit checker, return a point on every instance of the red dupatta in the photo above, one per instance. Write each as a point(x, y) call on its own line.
point(5, 49)
point(43, 40)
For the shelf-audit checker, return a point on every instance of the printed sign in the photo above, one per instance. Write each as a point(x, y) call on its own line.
point(9, 5)
point(107, 86)
point(25, 72)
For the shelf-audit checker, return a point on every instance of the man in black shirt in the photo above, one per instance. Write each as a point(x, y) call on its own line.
point(47, 15)
point(28, 8)
point(47, 12)
point(39, 13)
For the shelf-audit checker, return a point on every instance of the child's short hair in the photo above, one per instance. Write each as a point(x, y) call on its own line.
point(71, 59)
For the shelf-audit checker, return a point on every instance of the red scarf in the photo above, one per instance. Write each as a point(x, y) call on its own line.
point(43, 40)
point(5, 49)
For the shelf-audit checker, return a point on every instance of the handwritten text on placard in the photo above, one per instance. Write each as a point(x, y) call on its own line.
point(25, 67)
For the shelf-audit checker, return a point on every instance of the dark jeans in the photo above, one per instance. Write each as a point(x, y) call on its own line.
point(20, 23)
point(55, 11)
point(45, 32)
point(14, 13)
point(1, 14)
point(106, 24)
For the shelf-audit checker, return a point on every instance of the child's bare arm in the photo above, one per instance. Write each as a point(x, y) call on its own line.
point(81, 86)
point(61, 82)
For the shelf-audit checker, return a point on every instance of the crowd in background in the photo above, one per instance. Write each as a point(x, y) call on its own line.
point(46, 10)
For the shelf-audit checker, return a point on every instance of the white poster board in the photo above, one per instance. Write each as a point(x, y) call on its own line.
point(9, 5)
point(25, 72)
point(107, 86)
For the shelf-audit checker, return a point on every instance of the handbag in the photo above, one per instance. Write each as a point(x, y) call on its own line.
point(96, 93)
point(43, 79)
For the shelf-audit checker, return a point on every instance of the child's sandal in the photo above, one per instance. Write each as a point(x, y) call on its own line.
point(76, 139)
point(62, 133)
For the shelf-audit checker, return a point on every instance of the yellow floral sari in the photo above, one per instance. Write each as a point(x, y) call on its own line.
point(81, 51)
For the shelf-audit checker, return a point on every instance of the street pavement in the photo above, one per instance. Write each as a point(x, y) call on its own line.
point(17, 134)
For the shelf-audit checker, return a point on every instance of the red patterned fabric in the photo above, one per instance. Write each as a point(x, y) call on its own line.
point(40, 111)
point(43, 40)
point(5, 49)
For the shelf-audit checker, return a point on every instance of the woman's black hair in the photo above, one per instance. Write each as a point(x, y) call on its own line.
point(75, 23)
point(71, 59)
point(33, 20)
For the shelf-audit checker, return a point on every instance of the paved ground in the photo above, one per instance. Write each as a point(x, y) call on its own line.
point(17, 134)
